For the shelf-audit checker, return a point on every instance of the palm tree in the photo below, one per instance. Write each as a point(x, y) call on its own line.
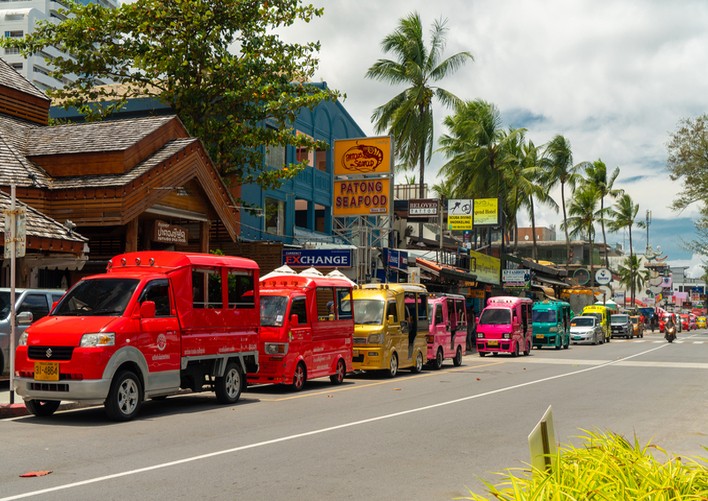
point(582, 216)
point(477, 148)
point(596, 175)
point(631, 276)
point(622, 216)
point(408, 117)
point(560, 169)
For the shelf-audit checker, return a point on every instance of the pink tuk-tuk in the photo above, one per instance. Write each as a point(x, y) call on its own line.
point(447, 336)
point(504, 326)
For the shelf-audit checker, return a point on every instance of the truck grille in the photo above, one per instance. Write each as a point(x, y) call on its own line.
point(50, 352)
point(49, 387)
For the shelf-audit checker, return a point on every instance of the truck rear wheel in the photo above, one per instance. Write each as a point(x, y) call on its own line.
point(393, 365)
point(338, 377)
point(228, 387)
point(457, 361)
point(438, 361)
point(125, 396)
point(418, 367)
point(42, 408)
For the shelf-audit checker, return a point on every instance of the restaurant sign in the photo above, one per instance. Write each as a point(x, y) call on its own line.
point(167, 233)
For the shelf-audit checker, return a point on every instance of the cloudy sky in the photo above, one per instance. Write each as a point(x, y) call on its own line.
point(614, 77)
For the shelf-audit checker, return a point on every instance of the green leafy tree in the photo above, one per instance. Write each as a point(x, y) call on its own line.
point(582, 214)
point(623, 216)
point(632, 276)
point(596, 175)
point(408, 117)
point(219, 64)
point(688, 162)
point(560, 170)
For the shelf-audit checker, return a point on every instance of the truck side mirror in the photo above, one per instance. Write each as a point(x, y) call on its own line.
point(390, 319)
point(24, 318)
point(147, 309)
point(294, 320)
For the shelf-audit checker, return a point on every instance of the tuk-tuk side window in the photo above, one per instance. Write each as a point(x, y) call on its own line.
point(206, 288)
point(240, 289)
point(344, 309)
point(438, 314)
point(460, 312)
point(158, 291)
point(391, 310)
point(299, 308)
point(325, 303)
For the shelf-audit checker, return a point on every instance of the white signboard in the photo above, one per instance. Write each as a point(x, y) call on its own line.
point(516, 278)
point(603, 276)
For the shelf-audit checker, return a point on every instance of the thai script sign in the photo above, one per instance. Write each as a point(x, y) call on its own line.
point(305, 258)
point(167, 233)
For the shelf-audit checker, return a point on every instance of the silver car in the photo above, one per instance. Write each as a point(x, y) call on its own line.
point(586, 329)
point(30, 305)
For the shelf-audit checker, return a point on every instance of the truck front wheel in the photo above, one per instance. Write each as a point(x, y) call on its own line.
point(228, 387)
point(125, 396)
point(42, 408)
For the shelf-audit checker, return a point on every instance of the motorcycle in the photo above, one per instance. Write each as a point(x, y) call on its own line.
point(670, 334)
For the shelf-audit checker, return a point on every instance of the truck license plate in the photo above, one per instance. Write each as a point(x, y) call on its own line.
point(46, 371)
point(492, 343)
point(540, 336)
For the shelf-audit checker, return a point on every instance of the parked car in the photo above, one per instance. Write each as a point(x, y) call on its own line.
point(637, 325)
point(620, 325)
point(30, 305)
point(586, 329)
point(692, 322)
point(701, 322)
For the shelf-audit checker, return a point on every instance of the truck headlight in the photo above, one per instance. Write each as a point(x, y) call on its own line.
point(276, 348)
point(23, 339)
point(480, 334)
point(506, 335)
point(375, 339)
point(553, 329)
point(94, 339)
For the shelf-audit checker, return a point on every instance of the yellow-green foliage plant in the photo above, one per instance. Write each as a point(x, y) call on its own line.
point(607, 468)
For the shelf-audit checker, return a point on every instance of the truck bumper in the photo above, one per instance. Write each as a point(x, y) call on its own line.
point(73, 391)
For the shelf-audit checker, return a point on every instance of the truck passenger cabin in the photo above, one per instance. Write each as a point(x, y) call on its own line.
point(306, 330)
point(447, 335)
point(154, 323)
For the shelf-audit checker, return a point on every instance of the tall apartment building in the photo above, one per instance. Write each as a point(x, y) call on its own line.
point(19, 17)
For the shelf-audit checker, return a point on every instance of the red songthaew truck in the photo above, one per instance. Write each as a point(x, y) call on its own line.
point(154, 323)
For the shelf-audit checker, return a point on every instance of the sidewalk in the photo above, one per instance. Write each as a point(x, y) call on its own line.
point(6, 408)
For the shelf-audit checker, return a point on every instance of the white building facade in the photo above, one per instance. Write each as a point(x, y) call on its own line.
point(18, 18)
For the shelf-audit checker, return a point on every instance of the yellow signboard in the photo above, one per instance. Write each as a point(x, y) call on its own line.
point(363, 197)
point(366, 155)
point(486, 211)
point(487, 268)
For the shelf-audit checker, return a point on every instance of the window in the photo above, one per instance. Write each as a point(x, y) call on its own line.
point(14, 34)
point(299, 308)
point(275, 156)
point(303, 154)
point(301, 213)
point(206, 288)
point(11, 50)
point(321, 160)
point(319, 218)
point(438, 314)
point(391, 310)
point(325, 303)
point(17, 66)
point(275, 216)
point(240, 285)
point(345, 308)
point(158, 291)
point(36, 304)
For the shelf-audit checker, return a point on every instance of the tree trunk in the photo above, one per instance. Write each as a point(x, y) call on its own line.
point(565, 227)
point(534, 250)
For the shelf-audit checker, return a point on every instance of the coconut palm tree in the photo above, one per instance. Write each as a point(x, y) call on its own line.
point(408, 117)
point(632, 276)
point(560, 170)
point(596, 175)
point(622, 216)
point(583, 213)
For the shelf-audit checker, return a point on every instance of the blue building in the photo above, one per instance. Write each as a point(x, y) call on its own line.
point(301, 209)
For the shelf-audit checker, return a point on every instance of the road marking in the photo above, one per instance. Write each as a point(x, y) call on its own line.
point(317, 432)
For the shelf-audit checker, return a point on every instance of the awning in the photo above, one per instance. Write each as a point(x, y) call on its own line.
point(550, 281)
point(445, 271)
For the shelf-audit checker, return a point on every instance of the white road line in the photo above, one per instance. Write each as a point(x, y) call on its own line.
point(315, 432)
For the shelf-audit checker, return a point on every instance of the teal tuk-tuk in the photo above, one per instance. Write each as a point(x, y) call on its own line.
point(551, 324)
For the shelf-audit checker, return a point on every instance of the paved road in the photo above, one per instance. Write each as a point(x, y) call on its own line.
point(427, 436)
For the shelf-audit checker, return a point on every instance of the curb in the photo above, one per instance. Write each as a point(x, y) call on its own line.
point(12, 410)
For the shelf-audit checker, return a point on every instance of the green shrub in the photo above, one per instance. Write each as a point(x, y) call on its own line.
point(608, 467)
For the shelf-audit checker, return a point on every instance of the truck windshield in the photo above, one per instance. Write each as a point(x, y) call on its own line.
point(619, 319)
point(97, 297)
point(544, 316)
point(495, 316)
point(273, 310)
point(368, 311)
